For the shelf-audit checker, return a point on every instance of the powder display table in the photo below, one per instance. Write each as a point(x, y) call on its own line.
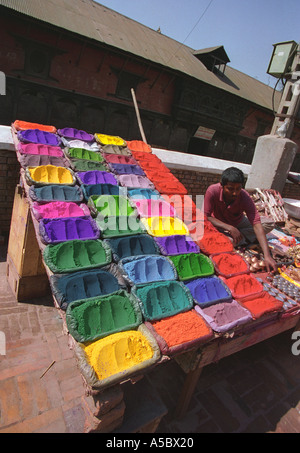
point(192, 362)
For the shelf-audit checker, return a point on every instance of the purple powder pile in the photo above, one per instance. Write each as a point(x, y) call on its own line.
point(53, 231)
point(75, 134)
point(176, 245)
point(37, 136)
point(225, 315)
point(96, 177)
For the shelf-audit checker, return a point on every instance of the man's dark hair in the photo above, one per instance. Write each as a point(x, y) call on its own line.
point(232, 174)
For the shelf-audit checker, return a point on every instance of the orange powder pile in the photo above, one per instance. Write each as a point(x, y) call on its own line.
point(215, 243)
point(261, 305)
point(243, 285)
point(181, 328)
point(230, 263)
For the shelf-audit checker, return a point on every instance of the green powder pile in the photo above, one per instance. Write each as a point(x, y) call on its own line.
point(81, 153)
point(94, 318)
point(163, 299)
point(74, 255)
point(192, 265)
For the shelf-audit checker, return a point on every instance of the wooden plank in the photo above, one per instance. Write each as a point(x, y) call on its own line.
point(26, 287)
point(23, 248)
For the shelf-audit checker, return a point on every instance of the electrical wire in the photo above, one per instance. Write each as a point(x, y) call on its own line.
point(196, 24)
point(202, 15)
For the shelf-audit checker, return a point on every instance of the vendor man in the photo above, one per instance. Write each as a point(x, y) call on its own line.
point(225, 205)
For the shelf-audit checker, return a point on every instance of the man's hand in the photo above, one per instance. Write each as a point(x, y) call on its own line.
point(235, 234)
point(270, 263)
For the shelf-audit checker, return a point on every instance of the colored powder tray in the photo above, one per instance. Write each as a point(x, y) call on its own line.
point(261, 304)
point(77, 255)
point(85, 154)
point(154, 208)
point(53, 231)
point(214, 242)
point(157, 175)
point(192, 265)
point(90, 320)
point(45, 194)
point(180, 332)
point(140, 194)
point(35, 160)
point(163, 299)
point(119, 159)
point(225, 316)
point(165, 226)
point(96, 177)
point(110, 205)
point(126, 169)
point(87, 165)
point(104, 139)
point(38, 136)
point(141, 156)
point(82, 285)
point(243, 285)
point(139, 270)
point(119, 226)
point(229, 264)
point(69, 143)
point(102, 189)
point(116, 357)
point(49, 174)
point(170, 187)
point(75, 134)
point(55, 209)
point(207, 291)
point(138, 145)
point(114, 149)
point(154, 165)
point(124, 247)
point(176, 245)
point(135, 181)
point(42, 150)
point(185, 207)
point(24, 125)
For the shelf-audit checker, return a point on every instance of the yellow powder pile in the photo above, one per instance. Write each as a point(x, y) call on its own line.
point(51, 174)
point(118, 352)
point(165, 226)
point(110, 140)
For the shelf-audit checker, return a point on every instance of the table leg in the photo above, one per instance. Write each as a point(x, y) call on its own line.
point(187, 391)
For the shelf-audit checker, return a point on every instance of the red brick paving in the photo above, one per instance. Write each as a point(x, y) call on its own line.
point(255, 390)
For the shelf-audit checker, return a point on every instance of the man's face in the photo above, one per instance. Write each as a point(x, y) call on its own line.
point(231, 191)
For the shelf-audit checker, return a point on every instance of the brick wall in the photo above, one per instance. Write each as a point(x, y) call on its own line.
point(197, 183)
point(9, 178)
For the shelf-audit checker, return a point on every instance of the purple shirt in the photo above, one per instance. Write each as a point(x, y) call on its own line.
point(215, 206)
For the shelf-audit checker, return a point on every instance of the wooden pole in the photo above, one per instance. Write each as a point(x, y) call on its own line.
point(138, 116)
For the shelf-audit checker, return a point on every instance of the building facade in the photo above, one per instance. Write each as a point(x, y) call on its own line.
point(74, 63)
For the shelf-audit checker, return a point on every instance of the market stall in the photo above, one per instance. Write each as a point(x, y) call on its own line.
point(137, 273)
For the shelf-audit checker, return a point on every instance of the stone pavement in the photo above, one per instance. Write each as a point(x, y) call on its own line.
point(255, 390)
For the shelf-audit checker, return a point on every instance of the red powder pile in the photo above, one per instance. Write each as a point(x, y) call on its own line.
point(261, 305)
point(181, 328)
point(185, 207)
point(214, 243)
point(138, 145)
point(141, 157)
point(229, 264)
point(243, 285)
